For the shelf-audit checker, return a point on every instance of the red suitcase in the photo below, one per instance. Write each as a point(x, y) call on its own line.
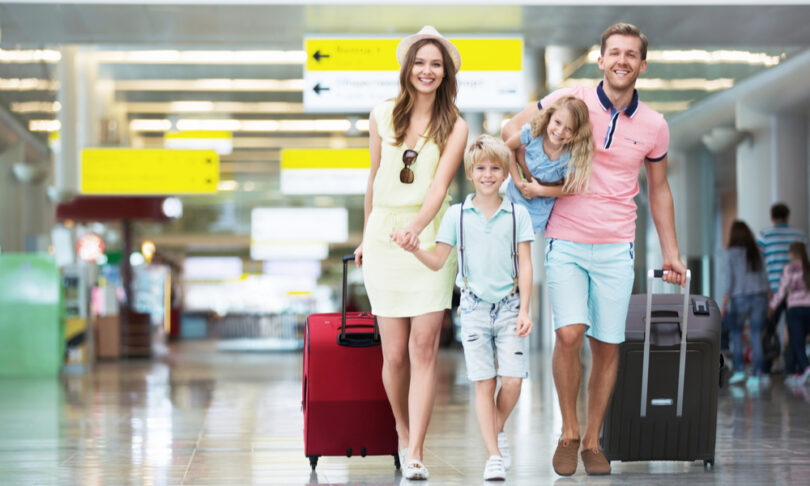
point(346, 410)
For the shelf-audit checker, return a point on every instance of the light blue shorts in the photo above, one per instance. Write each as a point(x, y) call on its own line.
point(488, 331)
point(591, 285)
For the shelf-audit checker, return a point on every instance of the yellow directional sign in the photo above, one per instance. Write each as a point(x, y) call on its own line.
point(325, 171)
point(351, 158)
point(371, 54)
point(124, 171)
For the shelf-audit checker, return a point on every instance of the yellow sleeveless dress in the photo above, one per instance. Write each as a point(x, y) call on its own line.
point(399, 285)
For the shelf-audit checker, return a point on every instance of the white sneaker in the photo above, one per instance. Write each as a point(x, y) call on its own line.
point(804, 378)
point(494, 470)
point(416, 470)
point(503, 446)
point(403, 457)
point(790, 380)
point(737, 377)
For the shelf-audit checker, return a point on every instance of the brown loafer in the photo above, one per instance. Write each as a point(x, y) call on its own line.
point(596, 464)
point(565, 457)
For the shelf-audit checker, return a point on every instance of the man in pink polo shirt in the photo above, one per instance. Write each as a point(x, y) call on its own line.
point(589, 238)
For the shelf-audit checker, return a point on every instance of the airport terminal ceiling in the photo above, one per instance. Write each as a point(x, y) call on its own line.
point(250, 173)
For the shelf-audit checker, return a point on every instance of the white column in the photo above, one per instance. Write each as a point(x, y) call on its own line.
point(789, 134)
point(77, 73)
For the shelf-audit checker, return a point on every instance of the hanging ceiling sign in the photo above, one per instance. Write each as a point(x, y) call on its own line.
point(125, 171)
point(355, 74)
point(325, 171)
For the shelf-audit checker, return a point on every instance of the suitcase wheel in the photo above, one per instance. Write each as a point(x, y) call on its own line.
point(313, 461)
point(396, 461)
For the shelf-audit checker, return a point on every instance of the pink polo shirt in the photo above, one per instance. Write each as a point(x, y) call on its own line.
point(624, 140)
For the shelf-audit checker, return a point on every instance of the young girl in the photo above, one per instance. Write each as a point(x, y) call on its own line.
point(559, 150)
point(795, 284)
point(746, 297)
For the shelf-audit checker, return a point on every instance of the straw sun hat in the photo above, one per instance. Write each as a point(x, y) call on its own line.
point(427, 32)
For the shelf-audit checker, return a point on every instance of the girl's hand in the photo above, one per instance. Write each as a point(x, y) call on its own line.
point(358, 255)
point(524, 325)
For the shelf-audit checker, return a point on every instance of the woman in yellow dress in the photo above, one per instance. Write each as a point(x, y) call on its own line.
point(417, 142)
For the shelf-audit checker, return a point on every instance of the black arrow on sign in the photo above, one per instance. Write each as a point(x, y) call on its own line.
point(318, 56)
point(318, 88)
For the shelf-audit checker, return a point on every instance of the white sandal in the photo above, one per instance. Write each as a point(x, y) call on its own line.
point(416, 470)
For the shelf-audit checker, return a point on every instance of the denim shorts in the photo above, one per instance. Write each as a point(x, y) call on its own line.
point(488, 331)
point(591, 285)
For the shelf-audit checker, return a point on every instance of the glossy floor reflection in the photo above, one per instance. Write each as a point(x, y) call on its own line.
point(201, 416)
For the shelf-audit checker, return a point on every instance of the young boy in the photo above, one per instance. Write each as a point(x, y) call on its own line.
point(493, 237)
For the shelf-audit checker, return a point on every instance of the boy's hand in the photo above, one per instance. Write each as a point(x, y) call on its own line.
point(524, 325)
point(407, 239)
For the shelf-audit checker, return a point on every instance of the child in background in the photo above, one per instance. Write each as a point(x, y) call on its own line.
point(559, 151)
point(795, 285)
point(493, 237)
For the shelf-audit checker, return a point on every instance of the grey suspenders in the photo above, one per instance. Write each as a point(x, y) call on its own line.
point(514, 249)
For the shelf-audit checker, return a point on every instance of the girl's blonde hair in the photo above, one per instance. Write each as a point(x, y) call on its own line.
point(486, 147)
point(445, 112)
point(581, 145)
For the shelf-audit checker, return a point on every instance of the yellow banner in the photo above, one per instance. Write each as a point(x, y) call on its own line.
point(370, 54)
point(350, 158)
point(120, 171)
point(216, 134)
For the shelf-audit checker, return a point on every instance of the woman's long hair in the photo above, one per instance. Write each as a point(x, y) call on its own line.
point(797, 248)
point(581, 144)
point(741, 236)
point(445, 112)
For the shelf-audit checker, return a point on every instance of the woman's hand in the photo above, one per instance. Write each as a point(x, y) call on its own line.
point(407, 239)
point(358, 255)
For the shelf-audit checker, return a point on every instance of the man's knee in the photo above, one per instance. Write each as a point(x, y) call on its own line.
point(570, 336)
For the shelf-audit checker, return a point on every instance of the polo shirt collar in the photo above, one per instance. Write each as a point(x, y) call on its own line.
point(505, 206)
point(607, 105)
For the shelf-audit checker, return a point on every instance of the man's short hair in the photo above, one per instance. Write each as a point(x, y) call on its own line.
point(625, 29)
point(779, 212)
point(486, 147)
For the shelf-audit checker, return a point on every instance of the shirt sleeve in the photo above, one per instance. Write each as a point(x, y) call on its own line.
point(659, 151)
point(448, 233)
point(524, 224)
point(526, 134)
point(780, 294)
point(556, 94)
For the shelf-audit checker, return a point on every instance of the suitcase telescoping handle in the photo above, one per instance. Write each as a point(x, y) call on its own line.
point(354, 340)
point(645, 372)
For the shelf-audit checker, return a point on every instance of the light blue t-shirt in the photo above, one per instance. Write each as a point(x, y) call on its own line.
point(487, 246)
point(542, 169)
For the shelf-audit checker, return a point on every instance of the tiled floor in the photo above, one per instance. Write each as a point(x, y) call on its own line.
point(199, 416)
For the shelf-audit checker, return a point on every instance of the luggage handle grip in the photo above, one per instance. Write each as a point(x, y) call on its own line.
point(645, 372)
point(342, 336)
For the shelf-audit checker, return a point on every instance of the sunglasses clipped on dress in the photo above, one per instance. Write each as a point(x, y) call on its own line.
point(406, 174)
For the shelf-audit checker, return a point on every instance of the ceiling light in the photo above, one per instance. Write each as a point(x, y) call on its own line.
point(28, 84)
point(214, 107)
point(202, 57)
point(658, 84)
point(44, 125)
point(227, 186)
point(361, 125)
point(143, 125)
point(36, 107)
point(225, 125)
point(210, 85)
point(29, 55)
point(702, 56)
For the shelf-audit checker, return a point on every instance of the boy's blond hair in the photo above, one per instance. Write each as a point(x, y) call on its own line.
point(486, 147)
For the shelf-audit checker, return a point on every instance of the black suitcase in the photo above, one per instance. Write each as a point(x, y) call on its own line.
point(664, 404)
